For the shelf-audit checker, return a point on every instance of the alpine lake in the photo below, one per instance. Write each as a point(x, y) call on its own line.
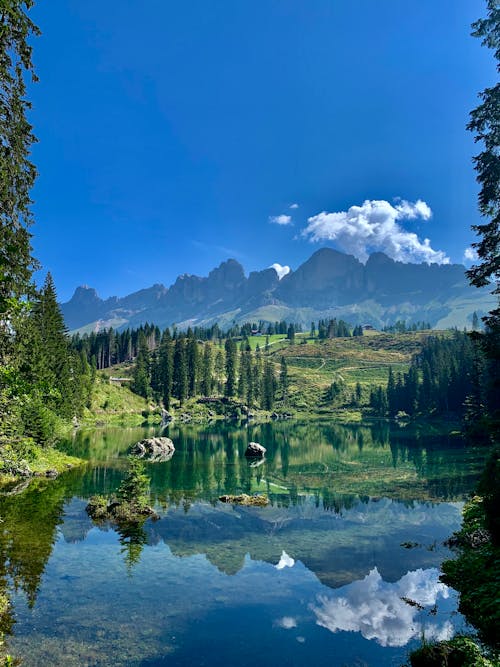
point(341, 568)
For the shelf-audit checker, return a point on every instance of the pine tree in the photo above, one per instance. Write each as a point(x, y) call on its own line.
point(180, 378)
point(219, 368)
point(230, 348)
point(193, 363)
point(268, 386)
point(141, 382)
point(391, 394)
point(257, 374)
point(51, 361)
point(207, 372)
point(166, 367)
point(485, 123)
point(17, 173)
point(284, 379)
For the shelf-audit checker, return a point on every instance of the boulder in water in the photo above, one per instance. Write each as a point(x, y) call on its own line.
point(255, 450)
point(154, 449)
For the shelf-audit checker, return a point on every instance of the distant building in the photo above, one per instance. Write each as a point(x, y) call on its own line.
point(368, 327)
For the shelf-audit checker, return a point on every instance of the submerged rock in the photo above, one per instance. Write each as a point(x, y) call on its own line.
point(255, 450)
point(154, 449)
point(244, 499)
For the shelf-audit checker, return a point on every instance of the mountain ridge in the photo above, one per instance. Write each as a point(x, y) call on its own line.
point(328, 284)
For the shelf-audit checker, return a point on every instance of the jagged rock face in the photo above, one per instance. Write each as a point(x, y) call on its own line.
point(389, 281)
point(260, 285)
point(328, 278)
point(84, 306)
point(329, 283)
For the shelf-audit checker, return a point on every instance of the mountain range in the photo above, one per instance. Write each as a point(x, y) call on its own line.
point(329, 284)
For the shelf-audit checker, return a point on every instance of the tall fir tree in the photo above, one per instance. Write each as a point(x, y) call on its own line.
point(51, 363)
point(180, 379)
point(231, 355)
point(268, 386)
point(166, 367)
point(17, 172)
point(207, 370)
point(284, 379)
point(141, 382)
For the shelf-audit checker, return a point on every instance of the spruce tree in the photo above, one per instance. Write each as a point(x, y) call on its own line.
point(207, 370)
point(230, 348)
point(180, 379)
point(284, 379)
point(219, 368)
point(52, 365)
point(17, 172)
point(268, 386)
point(141, 383)
point(193, 365)
point(166, 370)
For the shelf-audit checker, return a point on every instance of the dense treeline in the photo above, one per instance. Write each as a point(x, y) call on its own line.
point(401, 326)
point(41, 379)
point(46, 379)
point(450, 375)
point(108, 347)
point(183, 367)
point(335, 329)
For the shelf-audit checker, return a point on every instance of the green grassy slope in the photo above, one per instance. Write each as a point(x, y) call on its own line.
point(366, 359)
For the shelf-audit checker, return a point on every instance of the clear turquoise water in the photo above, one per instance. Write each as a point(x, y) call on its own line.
point(319, 576)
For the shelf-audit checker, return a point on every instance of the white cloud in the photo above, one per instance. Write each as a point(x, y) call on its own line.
point(376, 609)
point(281, 219)
point(294, 206)
point(285, 561)
point(470, 254)
point(287, 622)
point(374, 226)
point(282, 271)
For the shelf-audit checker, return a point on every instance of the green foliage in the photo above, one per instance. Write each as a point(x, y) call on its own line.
point(17, 173)
point(134, 488)
point(489, 488)
point(485, 123)
point(180, 381)
point(441, 379)
point(475, 573)
point(457, 652)
point(268, 386)
point(40, 423)
point(142, 378)
point(230, 348)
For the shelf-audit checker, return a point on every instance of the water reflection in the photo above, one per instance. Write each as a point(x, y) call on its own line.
point(386, 612)
point(325, 555)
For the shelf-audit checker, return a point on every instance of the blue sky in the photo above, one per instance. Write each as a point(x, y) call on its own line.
point(170, 133)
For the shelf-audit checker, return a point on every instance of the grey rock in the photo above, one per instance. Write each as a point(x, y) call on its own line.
point(255, 450)
point(154, 449)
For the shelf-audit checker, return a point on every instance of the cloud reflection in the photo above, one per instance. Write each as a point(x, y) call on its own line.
point(285, 561)
point(374, 608)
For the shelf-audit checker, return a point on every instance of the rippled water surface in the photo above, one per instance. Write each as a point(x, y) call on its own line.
point(342, 568)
